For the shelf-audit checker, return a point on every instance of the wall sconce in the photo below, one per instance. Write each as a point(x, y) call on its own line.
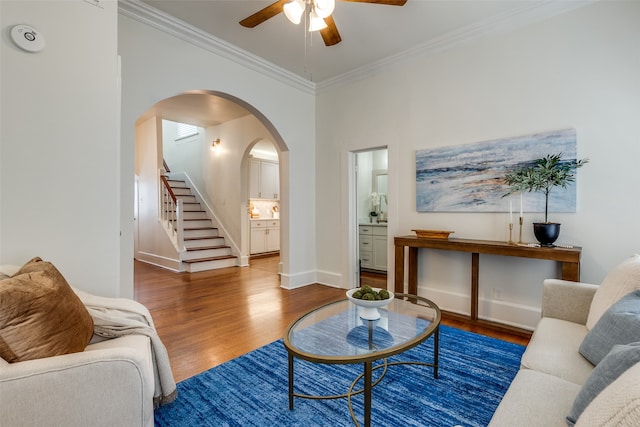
point(214, 145)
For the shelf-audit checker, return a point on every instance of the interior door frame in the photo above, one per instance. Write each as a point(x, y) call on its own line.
point(353, 267)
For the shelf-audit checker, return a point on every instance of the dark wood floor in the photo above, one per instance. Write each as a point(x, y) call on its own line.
point(208, 318)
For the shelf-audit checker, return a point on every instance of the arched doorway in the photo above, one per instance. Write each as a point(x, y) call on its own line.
point(263, 183)
point(222, 178)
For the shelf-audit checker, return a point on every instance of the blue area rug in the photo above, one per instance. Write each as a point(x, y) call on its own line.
point(252, 390)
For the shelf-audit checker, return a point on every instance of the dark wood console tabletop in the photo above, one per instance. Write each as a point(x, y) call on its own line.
point(569, 257)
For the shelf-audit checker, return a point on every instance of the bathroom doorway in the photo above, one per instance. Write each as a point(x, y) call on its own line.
point(372, 216)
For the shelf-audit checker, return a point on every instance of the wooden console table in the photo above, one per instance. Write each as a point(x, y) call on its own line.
point(569, 257)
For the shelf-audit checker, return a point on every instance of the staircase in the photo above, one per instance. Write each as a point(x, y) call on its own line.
point(205, 249)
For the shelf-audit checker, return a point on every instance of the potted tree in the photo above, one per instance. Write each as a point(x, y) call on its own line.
point(542, 175)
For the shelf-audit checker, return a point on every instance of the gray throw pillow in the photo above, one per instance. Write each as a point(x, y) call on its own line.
point(617, 362)
point(620, 324)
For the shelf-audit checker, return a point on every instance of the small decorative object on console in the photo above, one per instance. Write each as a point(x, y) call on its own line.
point(433, 234)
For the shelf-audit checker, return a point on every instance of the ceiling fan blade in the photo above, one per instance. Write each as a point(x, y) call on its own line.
point(387, 2)
point(330, 35)
point(263, 14)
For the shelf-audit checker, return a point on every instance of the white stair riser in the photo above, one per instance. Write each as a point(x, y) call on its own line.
point(194, 215)
point(206, 253)
point(190, 207)
point(214, 241)
point(186, 198)
point(181, 191)
point(209, 265)
point(177, 184)
point(210, 232)
point(197, 223)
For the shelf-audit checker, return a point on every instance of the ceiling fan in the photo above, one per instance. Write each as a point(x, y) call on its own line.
point(319, 11)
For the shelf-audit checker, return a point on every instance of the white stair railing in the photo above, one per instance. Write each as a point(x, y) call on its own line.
point(171, 213)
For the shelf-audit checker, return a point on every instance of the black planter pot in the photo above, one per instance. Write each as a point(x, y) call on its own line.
point(546, 232)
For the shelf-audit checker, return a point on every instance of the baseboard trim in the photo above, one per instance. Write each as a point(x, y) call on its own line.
point(159, 261)
point(298, 280)
point(506, 313)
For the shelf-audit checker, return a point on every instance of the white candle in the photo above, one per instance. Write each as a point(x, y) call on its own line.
point(520, 205)
point(511, 211)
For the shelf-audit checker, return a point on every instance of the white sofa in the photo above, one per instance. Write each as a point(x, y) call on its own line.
point(553, 371)
point(111, 383)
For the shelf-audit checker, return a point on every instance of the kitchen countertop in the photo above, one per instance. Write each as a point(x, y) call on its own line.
point(374, 224)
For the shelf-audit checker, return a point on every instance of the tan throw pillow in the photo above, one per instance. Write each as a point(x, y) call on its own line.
point(620, 281)
point(40, 315)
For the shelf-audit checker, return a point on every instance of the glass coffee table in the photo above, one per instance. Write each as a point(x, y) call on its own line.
point(336, 334)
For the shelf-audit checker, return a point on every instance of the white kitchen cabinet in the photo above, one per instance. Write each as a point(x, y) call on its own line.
point(264, 179)
point(373, 247)
point(265, 236)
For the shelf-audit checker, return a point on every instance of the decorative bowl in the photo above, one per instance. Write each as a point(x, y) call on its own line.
point(369, 309)
point(433, 234)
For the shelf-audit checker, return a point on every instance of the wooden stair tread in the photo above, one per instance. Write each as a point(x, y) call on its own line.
point(199, 228)
point(203, 237)
point(204, 248)
point(214, 258)
point(186, 203)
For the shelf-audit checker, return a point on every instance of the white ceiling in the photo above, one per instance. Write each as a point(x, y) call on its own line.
point(199, 109)
point(372, 34)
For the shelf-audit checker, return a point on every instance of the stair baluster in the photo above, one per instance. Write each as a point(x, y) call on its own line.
point(172, 212)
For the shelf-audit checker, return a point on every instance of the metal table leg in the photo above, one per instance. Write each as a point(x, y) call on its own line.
point(290, 381)
point(436, 350)
point(367, 393)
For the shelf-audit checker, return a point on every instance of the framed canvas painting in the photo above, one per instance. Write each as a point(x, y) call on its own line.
point(470, 177)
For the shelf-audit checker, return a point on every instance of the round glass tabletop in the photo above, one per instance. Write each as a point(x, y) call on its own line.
point(335, 332)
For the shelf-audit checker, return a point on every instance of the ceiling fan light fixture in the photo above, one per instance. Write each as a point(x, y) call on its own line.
point(324, 8)
point(293, 10)
point(315, 22)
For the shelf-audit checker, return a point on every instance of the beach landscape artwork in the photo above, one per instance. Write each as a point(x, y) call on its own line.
point(469, 178)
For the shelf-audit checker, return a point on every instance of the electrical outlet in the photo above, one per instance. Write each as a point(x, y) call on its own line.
point(497, 294)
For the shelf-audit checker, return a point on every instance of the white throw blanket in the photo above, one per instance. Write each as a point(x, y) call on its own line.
point(116, 317)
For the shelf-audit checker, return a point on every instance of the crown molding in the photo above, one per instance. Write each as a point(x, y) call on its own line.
point(525, 15)
point(148, 15)
point(520, 17)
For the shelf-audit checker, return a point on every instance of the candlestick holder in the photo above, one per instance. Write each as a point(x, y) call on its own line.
point(511, 242)
point(521, 221)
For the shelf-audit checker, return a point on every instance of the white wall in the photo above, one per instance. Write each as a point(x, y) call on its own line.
point(226, 173)
point(153, 243)
point(59, 143)
point(185, 154)
point(577, 70)
point(220, 177)
point(153, 68)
